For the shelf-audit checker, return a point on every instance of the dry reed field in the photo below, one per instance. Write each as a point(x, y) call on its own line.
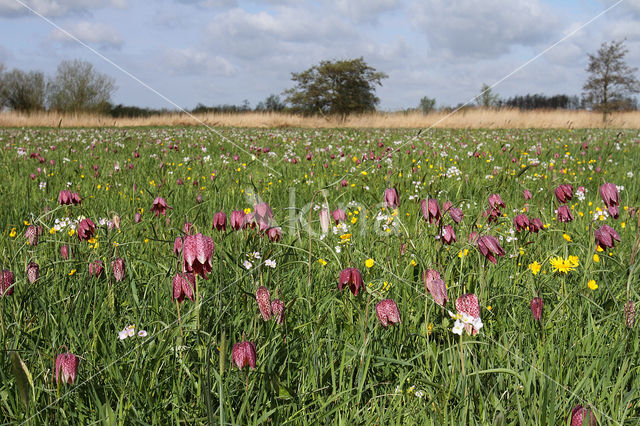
point(464, 119)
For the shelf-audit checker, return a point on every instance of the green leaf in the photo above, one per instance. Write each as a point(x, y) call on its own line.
point(24, 381)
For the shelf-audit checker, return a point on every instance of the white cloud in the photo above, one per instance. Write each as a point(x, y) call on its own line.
point(364, 10)
point(55, 7)
point(196, 62)
point(89, 32)
point(483, 28)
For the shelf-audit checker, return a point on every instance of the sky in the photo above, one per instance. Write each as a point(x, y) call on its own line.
point(225, 51)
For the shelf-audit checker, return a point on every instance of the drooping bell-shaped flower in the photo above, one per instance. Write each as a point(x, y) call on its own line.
point(468, 304)
point(197, 251)
point(118, 269)
point(6, 282)
point(496, 202)
point(64, 252)
point(244, 353)
point(219, 221)
point(263, 216)
point(582, 416)
point(431, 210)
point(159, 206)
point(564, 193)
point(535, 225)
point(435, 286)
point(66, 368)
point(352, 278)
point(238, 220)
point(33, 272)
point(86, 229)
point(264, 302)
point(184, 285)
point(277, 306)
point(95, 268)
point(490, 247)
point(275, 234)
point(448, 236)
point(387, 312)
point(526, 194)
point(31, 234)
point(521, 222)
point(564, 214)
point(605, 237)
point(610, 197)
point(456, 214)
point(339, 215)
point(536, 308)
point(325, 220)
point(391, 198)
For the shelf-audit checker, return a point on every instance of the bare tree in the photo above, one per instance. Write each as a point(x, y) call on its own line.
point(23, 91)
point(611, 81)
point(77, 86)
point(487, 98)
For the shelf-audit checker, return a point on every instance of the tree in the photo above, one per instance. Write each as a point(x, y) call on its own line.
point(336, 88)
point(487, 98)
point(427, 104)
point(23, 91)
point(611, 81)
point(271, 104)
point(77, 86)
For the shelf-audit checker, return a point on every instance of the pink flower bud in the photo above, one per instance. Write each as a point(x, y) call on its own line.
point(277, 306)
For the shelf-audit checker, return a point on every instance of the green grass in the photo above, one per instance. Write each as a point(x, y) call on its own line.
point(331, 362)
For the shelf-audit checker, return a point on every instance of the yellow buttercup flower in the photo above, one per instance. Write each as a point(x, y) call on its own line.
point(322, 262)
point(535, 267)
point(561, 265)
point(369, 263)
point(12, 234)
point(592, 284)
point(596, 258)
point(566, 237)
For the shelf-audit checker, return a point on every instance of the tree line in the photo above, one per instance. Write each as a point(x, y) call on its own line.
point(75, 87)
point(335, 88)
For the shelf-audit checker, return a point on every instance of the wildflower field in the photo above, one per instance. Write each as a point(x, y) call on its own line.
point(301, 276)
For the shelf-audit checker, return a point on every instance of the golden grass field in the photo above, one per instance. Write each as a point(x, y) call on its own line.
point(468, 118)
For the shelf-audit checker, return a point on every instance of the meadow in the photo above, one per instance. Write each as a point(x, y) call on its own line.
point(360, 276)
